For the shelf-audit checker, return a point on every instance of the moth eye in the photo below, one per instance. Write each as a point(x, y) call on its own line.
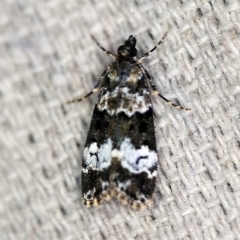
point(123, 50)
point(133, 52)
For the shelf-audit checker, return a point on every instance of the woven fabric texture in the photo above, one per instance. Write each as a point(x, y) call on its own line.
point(47, 57)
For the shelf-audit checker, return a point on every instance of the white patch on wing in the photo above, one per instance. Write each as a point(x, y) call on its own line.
point(104, 155)
point(135, 160)
point(105, 185)
point(90, 156)
point(138, 160)
point(89, 195)
point(129, 102)
point(93, 148)
point(98, 158)
point(123, 185)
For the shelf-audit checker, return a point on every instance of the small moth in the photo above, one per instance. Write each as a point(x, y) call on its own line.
point(120, 156)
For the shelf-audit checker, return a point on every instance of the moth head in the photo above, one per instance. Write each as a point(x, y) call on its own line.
point(128, 49)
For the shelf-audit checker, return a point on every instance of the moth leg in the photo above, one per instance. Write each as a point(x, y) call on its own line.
point(155, 91)
point(147, 54)
point(113, 56)
point(96, 89)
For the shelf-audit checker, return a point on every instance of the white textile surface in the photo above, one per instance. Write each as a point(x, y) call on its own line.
point(47, 57)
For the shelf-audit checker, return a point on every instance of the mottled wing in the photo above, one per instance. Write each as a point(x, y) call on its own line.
point(120, 158)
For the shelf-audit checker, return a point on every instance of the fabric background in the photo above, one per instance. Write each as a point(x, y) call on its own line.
point(47, 57)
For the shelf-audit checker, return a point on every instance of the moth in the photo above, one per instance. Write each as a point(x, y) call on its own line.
point(120, 155)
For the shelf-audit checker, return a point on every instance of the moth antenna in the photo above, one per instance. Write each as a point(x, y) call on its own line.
point(83, 98)
point(156, 91)
point(172, 104)
point(147, 54)
point(96, 88)
point(113, 56)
